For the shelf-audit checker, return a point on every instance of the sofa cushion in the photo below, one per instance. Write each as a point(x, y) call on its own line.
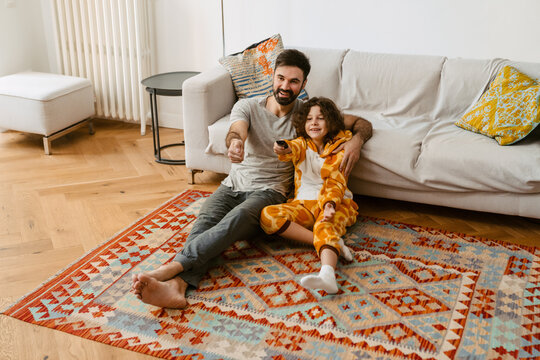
point(392, 85)
point(391, 155)
point(458, 160)
point(252, 69)
point(216, 136)
point(508, 111)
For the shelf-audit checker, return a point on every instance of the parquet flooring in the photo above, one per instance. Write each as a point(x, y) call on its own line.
point(55, 208)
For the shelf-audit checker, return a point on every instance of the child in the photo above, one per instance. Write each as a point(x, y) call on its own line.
point(321, 200)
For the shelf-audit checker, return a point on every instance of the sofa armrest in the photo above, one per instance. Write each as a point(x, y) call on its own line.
point(206, 98)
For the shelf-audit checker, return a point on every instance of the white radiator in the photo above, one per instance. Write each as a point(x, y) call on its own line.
point(109, 43)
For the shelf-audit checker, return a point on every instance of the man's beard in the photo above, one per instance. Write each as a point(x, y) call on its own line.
point(286, 101)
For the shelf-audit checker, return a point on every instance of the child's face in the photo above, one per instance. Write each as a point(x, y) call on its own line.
point(316, 124)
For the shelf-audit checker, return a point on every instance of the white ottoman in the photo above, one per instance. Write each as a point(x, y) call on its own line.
point(48, 104)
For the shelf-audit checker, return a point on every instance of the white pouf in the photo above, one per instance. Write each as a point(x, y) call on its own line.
point(48, 104)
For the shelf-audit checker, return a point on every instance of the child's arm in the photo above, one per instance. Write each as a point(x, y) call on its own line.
point(281, 147)
point(292, 152)
point(334, 182)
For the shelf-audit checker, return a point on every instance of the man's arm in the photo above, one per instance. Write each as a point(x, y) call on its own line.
point(362, 131)
point(359, 126)
point(234, 140)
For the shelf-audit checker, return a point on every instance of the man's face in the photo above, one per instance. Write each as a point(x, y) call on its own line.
point(288, 82)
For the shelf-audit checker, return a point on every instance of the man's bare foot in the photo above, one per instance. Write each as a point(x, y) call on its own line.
point(162, 273)
point(167, 271)
point(166, 294)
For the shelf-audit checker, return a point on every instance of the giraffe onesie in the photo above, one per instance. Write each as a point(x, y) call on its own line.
point(317, 180)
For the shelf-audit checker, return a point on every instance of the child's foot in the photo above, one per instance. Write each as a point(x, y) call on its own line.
point(326, 280)
point(345, 251)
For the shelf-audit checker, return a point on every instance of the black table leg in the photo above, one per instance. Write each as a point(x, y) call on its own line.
point(155, 134)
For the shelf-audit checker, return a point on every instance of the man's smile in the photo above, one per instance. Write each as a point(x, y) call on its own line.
point(288, 93)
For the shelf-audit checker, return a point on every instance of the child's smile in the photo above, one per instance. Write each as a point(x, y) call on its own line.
point(316, 126)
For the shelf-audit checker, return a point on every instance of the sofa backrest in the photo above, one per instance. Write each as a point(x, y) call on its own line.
point(403, 86)
point(531, 69)
point(389, 84)
point(325, 76)
point(463, 81)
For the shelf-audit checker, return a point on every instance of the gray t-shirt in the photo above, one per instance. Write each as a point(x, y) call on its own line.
point(261, 168)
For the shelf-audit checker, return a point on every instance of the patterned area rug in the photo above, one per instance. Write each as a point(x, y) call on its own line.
point(410, 293)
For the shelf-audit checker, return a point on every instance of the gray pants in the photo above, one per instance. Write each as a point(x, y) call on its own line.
point(225, 217)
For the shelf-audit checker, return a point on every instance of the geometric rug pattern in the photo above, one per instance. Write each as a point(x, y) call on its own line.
point(409, 293)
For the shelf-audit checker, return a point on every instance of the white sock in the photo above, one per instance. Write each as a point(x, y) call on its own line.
point(326, 280)
point(345, 251)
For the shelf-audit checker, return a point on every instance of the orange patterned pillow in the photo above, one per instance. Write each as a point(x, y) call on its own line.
point(252, 69)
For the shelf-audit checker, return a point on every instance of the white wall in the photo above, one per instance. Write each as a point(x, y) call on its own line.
point(22, 42)
point(453, 28)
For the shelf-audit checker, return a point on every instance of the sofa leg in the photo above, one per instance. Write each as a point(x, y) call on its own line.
point(91, 130)
point(193, 172)
point(47, 145)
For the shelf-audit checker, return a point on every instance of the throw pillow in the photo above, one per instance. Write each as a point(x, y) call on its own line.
point(508, 111)
point(252, 69)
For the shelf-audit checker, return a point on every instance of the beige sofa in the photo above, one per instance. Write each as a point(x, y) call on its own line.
point(416, 152)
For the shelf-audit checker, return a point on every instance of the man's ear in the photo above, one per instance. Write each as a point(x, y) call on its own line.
point(304, 84)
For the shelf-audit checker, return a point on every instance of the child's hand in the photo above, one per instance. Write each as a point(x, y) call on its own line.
point(329, 212)
point(280, 150)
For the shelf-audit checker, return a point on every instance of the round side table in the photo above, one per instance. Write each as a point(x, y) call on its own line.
point(165, 84)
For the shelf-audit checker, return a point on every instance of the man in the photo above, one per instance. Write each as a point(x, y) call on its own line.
point(257, 179)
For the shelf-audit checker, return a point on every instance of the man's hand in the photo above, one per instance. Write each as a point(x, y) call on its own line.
point(351, 154)
point(362, 131)
point(329, 211)
point(236, 151)
point(280, 150)
point(235, 138)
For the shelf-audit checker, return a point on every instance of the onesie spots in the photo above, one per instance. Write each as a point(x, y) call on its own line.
point(317, 180)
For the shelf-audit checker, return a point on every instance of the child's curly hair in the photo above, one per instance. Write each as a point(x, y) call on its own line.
point(334, 119)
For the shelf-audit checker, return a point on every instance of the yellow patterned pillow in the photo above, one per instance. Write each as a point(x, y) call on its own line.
point(508, 111)
point(252, 69)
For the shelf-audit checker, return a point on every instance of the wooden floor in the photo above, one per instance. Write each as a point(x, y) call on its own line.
point(55, 208)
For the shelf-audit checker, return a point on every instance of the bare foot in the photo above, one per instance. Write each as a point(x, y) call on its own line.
point(167, 271)
point(162, 273)
point(166, 294)
point(137, 285)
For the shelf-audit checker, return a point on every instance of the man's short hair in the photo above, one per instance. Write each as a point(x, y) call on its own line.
point(293, 57)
